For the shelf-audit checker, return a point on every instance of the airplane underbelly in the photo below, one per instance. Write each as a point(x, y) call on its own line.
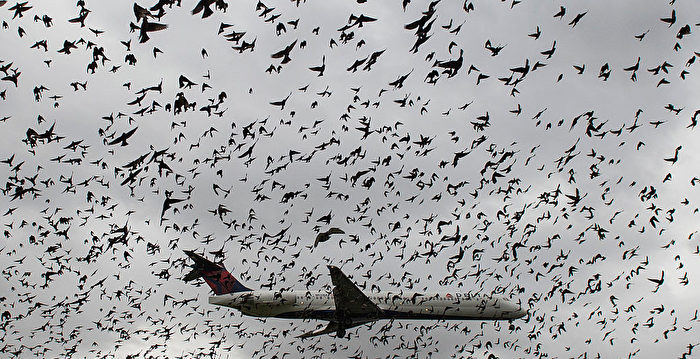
point(259, 304)
point(300, 310)
point(263, 309)
point(468, 311)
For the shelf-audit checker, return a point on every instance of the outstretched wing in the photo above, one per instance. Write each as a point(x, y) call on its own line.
point(284, 52)
point(154, 26)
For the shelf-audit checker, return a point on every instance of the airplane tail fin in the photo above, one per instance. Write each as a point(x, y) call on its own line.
point(214, 274)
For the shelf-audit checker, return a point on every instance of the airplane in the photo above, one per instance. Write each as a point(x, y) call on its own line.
point(346, 306)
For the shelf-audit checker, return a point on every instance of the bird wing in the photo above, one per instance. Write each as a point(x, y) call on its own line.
point(154, 26)
point(199, 7)
point(140, 12)
point(129, 133)
point(284, 51)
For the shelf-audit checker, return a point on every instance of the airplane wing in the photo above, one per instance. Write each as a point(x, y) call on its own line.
point(352, 307)
point(332, 327)
point(350, 302)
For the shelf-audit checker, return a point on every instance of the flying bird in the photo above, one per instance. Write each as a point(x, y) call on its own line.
point(147, 27)
point(284, 53)
point(324, 236)
point(121, 139)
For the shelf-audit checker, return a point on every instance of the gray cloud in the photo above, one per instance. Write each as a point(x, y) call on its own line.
point(137, 305)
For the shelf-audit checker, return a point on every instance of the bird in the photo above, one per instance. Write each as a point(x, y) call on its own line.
point(203, 6)
point(284, 53)
point(670, 20)
point(67, 47)
point(281, 103)
point(324, 236)
point(550, 52)
point(560, 14)
point(577, 18)
point(659, 282)
point(633, 69)
point(536, 35)
point(121, 139)
point(19, 8)
point(147, 27)
point(82, 15)
point(674, 159)
point(320, 69)
point(12, 78)
point(167, 204)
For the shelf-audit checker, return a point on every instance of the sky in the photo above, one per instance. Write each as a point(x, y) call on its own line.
point(561, 154)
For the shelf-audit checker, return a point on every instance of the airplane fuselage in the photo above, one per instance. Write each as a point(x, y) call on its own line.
point(321, 305)
point(345, 305)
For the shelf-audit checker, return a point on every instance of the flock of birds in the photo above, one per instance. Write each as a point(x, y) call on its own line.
point(415, 145)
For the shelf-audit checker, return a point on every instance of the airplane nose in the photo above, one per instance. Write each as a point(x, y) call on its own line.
point(516, 311)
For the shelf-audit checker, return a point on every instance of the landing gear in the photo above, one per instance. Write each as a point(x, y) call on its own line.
point(344, 321)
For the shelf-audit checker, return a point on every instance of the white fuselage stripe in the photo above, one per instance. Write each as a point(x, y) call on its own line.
point(321, 305)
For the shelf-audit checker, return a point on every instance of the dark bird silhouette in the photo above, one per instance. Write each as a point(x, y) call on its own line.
point(147, 27)
point(398, 83)
point(495, 50)
point(203, 6)
point(184, 82)
point(320, 68)
point(551, 51)
point(633, 69)
point(281, 103)
point(167, 204)
point(560, 14)
point(451, 66)
point(223, 27)
point(670, 20)
point(12, 78)
point(123, 137)
point(640, 37)
point(81, 17)
point(324, 236)
point(694, 120)
point(355, 65)
point(284, 53)
point(659, 282)
point(67, 47)
point(356, 21)
point(674, 159)
point(19, 9)
point(43, 44)
point(683, 31)
point(141, 12)
point(604, 72)
point(536, 35)
point(522, 70)
point(6, 67)
point(578, 18)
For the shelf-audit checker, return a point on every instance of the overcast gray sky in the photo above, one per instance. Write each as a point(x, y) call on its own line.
point(533, 123)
